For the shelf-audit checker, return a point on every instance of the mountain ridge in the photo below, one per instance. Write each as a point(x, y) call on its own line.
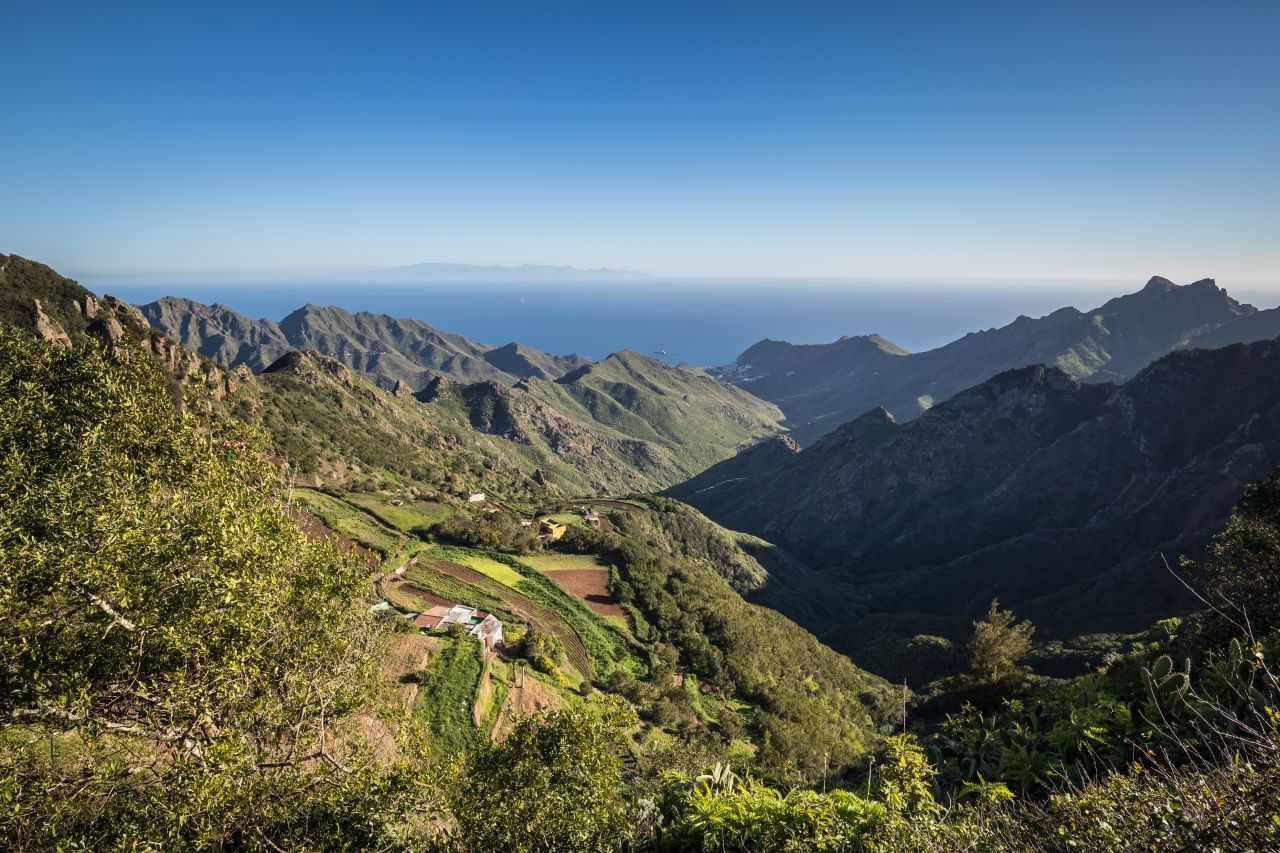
point(1056, 495)
point(386, 349)
point(819, 386)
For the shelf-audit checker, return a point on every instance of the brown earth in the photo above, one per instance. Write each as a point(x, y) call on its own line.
point(432, 600)
point(534, 698)
point(315, 529)
point(590, 585)
point(406, 656)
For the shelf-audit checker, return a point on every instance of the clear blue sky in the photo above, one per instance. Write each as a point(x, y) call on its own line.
point(952, 139)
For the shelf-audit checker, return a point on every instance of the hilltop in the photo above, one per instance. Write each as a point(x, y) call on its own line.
point(822, 386)
point(387, 350)
point(627, 423)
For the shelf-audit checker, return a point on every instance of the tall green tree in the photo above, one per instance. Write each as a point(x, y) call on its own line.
point(993, 669)
point(177, 661)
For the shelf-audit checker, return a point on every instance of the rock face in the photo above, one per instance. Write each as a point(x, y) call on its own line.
point(44, 328)
point(1054, 495)
point(217, 332)
point(820, 387)
point(34, 297)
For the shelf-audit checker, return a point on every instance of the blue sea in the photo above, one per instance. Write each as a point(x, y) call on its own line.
point(700, 322)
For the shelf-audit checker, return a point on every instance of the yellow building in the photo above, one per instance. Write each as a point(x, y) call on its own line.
point(551, 529)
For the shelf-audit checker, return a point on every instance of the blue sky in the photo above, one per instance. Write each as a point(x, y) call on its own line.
point(945, 140)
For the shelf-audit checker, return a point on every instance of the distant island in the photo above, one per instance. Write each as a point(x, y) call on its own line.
point(485, 272)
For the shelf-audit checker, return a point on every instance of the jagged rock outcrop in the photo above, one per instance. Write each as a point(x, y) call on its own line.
point(44, 328)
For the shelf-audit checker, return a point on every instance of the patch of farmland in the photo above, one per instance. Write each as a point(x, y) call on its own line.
point(552, 561)
point(351, 521)
point(500, 572)
point(592, 587)
point(404, 515)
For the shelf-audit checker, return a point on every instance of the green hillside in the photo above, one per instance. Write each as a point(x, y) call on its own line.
point(186, 669)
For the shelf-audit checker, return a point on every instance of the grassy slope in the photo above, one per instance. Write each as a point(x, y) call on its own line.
point(644, 399)
point(448, 691)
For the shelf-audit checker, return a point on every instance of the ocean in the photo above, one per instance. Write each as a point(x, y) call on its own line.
point(703, 323)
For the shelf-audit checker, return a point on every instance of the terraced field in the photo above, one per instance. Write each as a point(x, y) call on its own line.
point(350, 521)
point(540, 617)
point(553, 561)
point(402, 515)
point(500, 572)
point(591, 586)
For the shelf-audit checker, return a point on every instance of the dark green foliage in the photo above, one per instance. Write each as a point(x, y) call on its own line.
point(1241, 574)
point(816, 712)
point(22, 281)
point(580, 539)
point(494, 530)
point(691, 535)
point(552, 784)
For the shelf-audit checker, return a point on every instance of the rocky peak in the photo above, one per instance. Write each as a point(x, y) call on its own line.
point(45, 328)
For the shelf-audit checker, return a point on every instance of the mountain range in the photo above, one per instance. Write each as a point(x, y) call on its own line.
point(385, 349)
point(1053, 488)
point(821, 386)
point(1057, 496)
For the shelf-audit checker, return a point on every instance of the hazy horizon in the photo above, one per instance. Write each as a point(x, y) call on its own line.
point(676, 320)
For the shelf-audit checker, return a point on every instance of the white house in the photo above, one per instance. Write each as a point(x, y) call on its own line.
point(459, 614)
point(476, 498)
point(489, 632)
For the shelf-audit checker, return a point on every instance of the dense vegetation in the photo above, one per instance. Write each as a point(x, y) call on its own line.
point(181, 668)
point(817, 714)
point(180, 663)
point(1057, 497)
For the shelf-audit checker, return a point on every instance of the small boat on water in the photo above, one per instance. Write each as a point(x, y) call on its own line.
point(659, 352)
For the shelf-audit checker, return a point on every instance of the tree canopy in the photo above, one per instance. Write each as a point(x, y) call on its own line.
point(167, 631)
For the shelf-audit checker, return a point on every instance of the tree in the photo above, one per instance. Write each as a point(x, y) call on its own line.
point(544, 650)
point(1241, 573)
point(553, 784)
point(994, 652)
point(187, 656)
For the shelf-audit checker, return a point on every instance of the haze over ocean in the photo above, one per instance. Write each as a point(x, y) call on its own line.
point(700, 322)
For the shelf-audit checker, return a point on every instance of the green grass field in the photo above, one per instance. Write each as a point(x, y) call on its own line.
point(567, 518)
point(448, 693)
point(627, 501)
point(406, 516)
point(551, 561)
point(500, 572)
point(350, 521)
